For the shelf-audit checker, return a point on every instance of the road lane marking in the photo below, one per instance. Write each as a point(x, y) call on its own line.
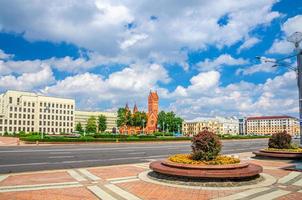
point(244, 194)
point(135, 153)
point(100, 193)
point(272, 195)
point(89, 175)
point(61, 157)
point(288, 177)
point(59, 153)
point(2, 177)
point(39, 187)
point(121, 192)
point(76, 175)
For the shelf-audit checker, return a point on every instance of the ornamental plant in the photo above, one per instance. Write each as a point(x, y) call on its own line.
point(281, 140)
point(205, 146)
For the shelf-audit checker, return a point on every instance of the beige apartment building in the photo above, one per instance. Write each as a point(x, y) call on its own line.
point(30, 112)
point(267, 125)
point(193, 128)
point(83, 116)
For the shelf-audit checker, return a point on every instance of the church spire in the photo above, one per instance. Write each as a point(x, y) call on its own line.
point(135, 109)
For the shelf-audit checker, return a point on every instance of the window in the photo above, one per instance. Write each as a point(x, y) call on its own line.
point(24, 103)
point(10, 99)
point(11, 108)
point(18, 100)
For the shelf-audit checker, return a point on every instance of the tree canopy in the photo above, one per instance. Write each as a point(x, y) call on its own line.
point(102, 123)
point(79, 128)
point(125, 117)
point(168, 121)
point(91, 125)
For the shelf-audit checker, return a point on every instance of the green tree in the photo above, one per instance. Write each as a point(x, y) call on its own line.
point(139, 119)
point(169, 121)
point(102, 123)
point(91, 125)
point(122, 117)
point(79, 127)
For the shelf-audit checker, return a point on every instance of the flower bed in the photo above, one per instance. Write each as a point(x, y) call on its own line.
point(219, 160)
point(297, 150)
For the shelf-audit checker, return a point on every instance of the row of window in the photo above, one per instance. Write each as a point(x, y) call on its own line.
point(46, 104)
point(31, 129)
point(41, 110)
point(56, 105)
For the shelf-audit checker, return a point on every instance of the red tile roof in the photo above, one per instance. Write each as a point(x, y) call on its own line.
point(269, 117)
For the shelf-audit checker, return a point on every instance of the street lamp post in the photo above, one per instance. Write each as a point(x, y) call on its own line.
point(42, 134)
point(143, 126)
point(295, 38)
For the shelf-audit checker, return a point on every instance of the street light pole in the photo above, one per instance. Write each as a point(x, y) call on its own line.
point(299, 81)
point(295, 38)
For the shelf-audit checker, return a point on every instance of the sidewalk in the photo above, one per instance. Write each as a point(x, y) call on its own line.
point(127, 182)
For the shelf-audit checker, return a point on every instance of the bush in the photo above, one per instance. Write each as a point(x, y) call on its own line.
point(281, 140)
point(205, 145)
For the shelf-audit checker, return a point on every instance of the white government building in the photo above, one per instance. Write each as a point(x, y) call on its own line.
point(219, 125)
point(30, 112)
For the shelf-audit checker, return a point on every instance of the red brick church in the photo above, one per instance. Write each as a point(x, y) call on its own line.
point(152, 116)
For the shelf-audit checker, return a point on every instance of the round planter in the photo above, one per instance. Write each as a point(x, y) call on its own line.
point(278, 154)
point(232, 171)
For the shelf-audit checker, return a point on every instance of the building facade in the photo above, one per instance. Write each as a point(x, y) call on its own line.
point(83, 116)
point(193, 128)
point(230, 125)
point(242, 126)
point(268, 125)
point(30, 112)
point(218, 125)
point(152, 114)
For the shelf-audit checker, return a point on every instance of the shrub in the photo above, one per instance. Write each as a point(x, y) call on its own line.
point(281, 140)
point(205, 146)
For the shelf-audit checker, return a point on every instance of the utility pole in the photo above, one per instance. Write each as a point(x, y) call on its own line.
point(295, 38)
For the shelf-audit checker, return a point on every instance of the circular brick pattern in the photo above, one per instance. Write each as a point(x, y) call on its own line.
point(263, 181)
point(223, 172)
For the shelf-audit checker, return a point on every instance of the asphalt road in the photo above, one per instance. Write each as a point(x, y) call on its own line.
point(34, 158)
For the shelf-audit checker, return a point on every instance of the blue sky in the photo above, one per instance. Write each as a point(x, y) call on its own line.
point(198, 55)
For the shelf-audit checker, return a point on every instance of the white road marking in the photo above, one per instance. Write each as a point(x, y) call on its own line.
point(59, 153)
point(100, 193)
point(288, 177)
point(76, 175)
point(272, 195)
point(89, 175)
point(90, 149)
point(244, 194)
point(61, 157)
point(39, 187)
point(2, 177)
point(134, 153)
point(121, 192)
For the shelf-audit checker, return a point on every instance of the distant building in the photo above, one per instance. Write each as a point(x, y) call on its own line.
point(242, 126)
point(83, 116)
point(152, 116)
point(191, 128)
point(267, 125)
point(230, 125)
point(218, 125)
point(30, 112)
